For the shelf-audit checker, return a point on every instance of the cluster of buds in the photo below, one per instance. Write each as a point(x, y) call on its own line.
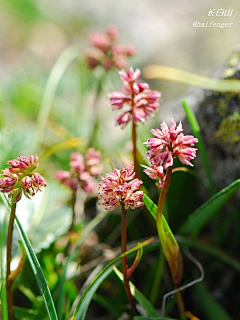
point(106, 53)
point(169, 143)
point(19, 178)
point(120, 187)
point(141, 102)
point(83, 171)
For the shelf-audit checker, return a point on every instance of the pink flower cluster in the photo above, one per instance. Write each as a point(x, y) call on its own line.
point(169, 143)
point(83, 171)
point(120, 187)
point(141, 101)
point(19, 178)
point(106, 53)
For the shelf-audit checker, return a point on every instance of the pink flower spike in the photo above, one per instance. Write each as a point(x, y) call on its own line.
point(106, 53)
point(137, 97)
point(19, 177)
point(169, 143)
point(118, 188)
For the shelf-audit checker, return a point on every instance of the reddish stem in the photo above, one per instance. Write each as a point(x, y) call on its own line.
point(124, 259)
point(9, 257)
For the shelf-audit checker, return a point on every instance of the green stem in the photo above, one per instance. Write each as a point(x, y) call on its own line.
point(124, 259)
point(9, 257)
point(161, 232)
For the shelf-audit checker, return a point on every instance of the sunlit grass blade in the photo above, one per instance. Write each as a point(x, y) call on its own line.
point(199, 218)
point(2, 273)
point(86, 297)
point(85, 232)
point(62, 145)
point(173, 74)
point(141, 299)
point(212, 309)
point(65, 59)
point(37, 271)
point(197, 133)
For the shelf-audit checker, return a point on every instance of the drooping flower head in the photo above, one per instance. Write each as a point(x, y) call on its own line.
point(19, 178)
point(106, 52)
point(120, 187)
point(83, 171)
point(140, 101)
point(169, 143)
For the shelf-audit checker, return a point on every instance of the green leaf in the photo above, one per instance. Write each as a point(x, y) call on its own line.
point(210, 306)
point(152, 318)
point(141, 299)
point(42, 283)
point(197, 133)
point(65, 59)
point(152, 208)
point(46, 216)
point(198, 219)
point(86, 297)
point(62, 145)
point(3, 294)
point(85, 232)
point(168, 73)
point(37, 271)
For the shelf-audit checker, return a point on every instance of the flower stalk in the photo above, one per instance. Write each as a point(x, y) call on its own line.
point(124, 259)
point(170, 248)
point(9, 257)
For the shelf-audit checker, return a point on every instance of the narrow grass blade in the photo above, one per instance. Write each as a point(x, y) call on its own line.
point(141, 299)
point(56, 74)
point(211, 250)
point(42, 283)
point(168, 73)
point(198, 219)
point(2, 273)
point(62, 145)
point(212, 309)
point(86, 231)
point(152, 318)
point(197, 133)
point(82, 306)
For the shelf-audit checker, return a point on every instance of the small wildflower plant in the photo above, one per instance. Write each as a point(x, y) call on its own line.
point(73, 262)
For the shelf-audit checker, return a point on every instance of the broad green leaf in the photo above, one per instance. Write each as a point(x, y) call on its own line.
point(197, 133)
point(37, 271)
point(168, 73)
point(87, 295)
point(141, 299)
point(62, 145)
point(46, 216)
point(210, 306)
point(198, 219)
